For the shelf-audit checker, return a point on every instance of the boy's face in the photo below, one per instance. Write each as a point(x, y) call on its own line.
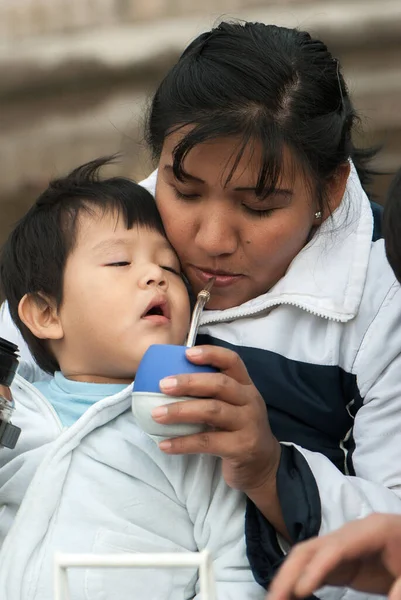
point(122, 292)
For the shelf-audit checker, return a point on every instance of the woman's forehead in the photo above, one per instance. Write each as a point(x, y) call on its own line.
point(227, 162)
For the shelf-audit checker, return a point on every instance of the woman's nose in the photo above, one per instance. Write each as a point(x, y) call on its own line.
point(217, 234)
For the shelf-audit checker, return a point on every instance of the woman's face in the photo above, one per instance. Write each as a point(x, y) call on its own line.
point(225, 230)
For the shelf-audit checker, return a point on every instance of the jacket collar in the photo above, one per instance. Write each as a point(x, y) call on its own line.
point(327, 277)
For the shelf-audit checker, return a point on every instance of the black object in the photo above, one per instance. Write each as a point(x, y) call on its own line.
point(8, 361)
point(9, 433)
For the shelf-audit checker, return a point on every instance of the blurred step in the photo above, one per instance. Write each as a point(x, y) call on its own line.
point(114, 50)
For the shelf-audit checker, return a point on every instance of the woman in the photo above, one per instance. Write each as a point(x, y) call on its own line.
point(258, 186)
point(364, 554)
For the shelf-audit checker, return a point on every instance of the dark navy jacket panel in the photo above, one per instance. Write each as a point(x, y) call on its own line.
point(377, 211)
point(308, 405)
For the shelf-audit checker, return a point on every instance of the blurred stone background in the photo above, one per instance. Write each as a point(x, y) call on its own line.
point(76, 76)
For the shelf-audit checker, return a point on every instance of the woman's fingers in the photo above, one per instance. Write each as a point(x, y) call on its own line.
point(229, 402)
point(217, 443)
point(209, 411)
point(227, 361)
point(218, 401)
point(205, 385)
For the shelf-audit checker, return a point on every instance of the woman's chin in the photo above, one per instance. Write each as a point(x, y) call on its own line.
point(223, 302)
point(222, 296)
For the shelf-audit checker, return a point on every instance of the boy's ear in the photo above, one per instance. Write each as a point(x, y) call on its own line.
point(336, 186)
point(40, 314)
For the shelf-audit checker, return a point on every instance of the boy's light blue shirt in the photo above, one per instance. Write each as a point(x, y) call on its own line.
point(71, 399)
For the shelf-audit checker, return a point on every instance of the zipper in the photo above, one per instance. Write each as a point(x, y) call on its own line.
point(272, 304)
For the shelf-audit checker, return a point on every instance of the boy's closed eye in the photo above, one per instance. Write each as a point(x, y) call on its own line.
point(121, 263)
point(171, 270)
point(125, 263)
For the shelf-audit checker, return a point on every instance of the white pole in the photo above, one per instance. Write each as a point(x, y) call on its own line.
point(206, 578)
point(202, 560)
point(61, 591)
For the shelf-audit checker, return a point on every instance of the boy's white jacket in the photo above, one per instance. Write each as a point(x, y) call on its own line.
point(103, 486)
point(338, 306)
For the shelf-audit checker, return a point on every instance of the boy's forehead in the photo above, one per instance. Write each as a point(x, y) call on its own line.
point(137, 235)
point(108, 230)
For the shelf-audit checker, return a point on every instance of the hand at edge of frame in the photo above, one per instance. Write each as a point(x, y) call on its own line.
point(364, 554)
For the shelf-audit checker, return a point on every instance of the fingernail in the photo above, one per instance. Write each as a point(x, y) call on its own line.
point(194, 351)
point(160, 411)
point(168, 383)
point(166, 445)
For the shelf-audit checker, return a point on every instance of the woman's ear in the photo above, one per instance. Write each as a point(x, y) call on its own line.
point(40, 314)
point(336, 186)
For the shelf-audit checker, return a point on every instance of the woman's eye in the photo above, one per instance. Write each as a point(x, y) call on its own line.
point(183, 196)
point(122, 263)
point(257, 212)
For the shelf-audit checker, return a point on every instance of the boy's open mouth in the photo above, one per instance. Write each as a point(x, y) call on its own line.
point(157, 310)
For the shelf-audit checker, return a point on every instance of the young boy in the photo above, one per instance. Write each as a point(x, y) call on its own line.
point(91, 282)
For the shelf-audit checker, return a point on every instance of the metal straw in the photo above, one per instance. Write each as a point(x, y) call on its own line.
point(202, 299)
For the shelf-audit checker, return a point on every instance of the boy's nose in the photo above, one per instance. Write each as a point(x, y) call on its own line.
point(156, 276)
point(159, 282)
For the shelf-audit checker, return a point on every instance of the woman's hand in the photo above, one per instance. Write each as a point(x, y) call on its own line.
point(364, 554)
point(230, 404)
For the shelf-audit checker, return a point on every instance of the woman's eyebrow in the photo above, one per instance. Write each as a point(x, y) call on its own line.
point(184, 174)
point(275, 192)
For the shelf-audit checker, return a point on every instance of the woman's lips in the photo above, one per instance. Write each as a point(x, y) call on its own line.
point(222, 278)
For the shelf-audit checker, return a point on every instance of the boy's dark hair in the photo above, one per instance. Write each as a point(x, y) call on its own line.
point(392, 225)
point(273, 85)
point(34, 256)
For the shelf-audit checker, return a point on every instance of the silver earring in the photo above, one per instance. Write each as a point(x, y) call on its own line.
point(318, 214)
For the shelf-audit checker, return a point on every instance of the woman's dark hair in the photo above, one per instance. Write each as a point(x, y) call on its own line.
point(34, 256)
point(261, 83)
point(392, 225)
